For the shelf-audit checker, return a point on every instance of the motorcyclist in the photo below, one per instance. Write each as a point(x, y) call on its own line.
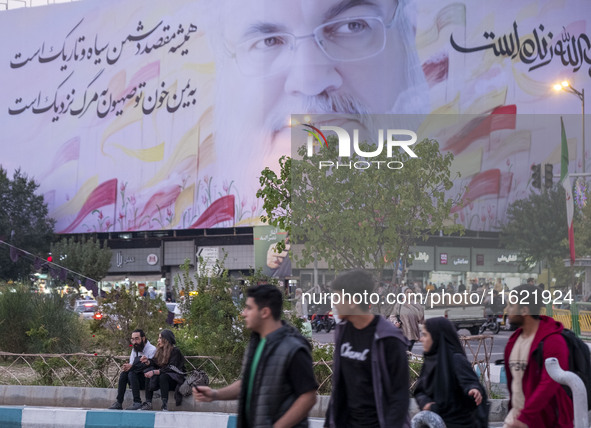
point(493, 307)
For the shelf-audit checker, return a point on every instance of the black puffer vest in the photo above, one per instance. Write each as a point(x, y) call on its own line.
point(272, 394)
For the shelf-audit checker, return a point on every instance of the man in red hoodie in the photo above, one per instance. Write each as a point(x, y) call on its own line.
point(536, 400)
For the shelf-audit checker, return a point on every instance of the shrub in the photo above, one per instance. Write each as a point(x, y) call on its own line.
point(212, 322)
point(322, 355)
point(45, 370)
point(38, 323)
point(123, 312)
point(212, 306)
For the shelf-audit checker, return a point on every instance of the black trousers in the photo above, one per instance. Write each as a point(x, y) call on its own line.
point(136, 381)
point(166, 384)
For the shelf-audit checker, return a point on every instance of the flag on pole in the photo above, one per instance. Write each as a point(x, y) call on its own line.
point(565, 181)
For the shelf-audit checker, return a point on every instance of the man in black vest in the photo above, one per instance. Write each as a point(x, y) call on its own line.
point(277, 387)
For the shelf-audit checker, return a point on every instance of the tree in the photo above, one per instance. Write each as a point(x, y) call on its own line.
point(360, 218)
point(125, 310)
point(86, 256)
point(24, 224)
point(536, 227)
point(582, 222)
point(211, 305)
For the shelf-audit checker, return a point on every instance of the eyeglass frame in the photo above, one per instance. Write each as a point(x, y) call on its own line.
point(313, 35)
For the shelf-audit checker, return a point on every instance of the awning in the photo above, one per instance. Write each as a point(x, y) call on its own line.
point(133, 278)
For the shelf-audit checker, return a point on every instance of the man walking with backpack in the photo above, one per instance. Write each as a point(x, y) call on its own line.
point(537, 401)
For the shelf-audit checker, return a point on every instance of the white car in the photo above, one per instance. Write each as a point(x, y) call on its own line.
point(87, 309)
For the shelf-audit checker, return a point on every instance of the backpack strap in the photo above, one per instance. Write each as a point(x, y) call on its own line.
point(539, 354)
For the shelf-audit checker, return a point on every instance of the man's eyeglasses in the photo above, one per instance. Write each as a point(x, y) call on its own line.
point(346, 39)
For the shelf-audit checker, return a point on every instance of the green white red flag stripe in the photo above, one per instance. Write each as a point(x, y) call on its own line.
point(565, 181)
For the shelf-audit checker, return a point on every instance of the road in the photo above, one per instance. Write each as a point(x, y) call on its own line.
point(499, 342)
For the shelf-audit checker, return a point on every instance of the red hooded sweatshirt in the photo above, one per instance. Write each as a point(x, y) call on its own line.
point(547, 405)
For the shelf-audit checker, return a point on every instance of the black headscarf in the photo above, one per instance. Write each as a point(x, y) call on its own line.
point(439, 378)
point(168, 335)
point(438, 368)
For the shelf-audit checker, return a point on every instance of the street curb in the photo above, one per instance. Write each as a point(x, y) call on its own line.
point(102, 398)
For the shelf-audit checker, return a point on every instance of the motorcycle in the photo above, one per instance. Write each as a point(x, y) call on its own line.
point(321, 322)
point(492, 323)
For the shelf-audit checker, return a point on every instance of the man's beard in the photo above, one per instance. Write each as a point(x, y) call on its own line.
point(324, 103)
point(139, 347)
point(516, 321)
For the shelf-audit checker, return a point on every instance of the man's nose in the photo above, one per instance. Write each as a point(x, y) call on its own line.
point(311, 71)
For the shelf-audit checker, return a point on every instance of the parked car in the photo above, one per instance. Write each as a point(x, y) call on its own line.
point(88, 309)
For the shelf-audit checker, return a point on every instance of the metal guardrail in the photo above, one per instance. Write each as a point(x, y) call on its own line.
point(102, 371)
point(84, 370)
point(577, 318)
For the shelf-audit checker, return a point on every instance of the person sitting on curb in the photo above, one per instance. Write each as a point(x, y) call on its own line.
point(166, 371)
point(133, 372)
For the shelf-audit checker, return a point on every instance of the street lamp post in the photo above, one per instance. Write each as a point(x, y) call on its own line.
point(566, 86)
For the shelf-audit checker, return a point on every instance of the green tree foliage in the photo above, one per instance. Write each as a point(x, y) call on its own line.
point(124, 311)
point(566, 275)
point(213, 325)
point(86, 256)
point(24, 223)
point(276, 194)
point(360, 218)
point(582, 227)
point(536, 227)
point(38, 323)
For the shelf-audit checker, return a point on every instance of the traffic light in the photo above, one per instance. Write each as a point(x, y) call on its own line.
point(548, 175)
point(536, 176)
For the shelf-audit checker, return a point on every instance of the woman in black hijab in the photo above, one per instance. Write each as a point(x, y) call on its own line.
point(447, 384)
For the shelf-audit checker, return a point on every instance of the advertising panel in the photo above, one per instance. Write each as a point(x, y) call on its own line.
point(266, 258)
point(148, 115)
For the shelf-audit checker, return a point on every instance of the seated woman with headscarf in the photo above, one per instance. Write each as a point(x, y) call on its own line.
point(166, 371)
point(447, 384)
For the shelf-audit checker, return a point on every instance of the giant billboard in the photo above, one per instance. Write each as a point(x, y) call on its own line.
point(144, 115)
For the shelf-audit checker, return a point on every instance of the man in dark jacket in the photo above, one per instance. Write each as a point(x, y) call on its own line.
point(277, 387)
point(536, 400)
point(370, 367)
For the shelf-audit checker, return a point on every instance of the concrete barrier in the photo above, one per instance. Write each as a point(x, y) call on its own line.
point(101, 398)
point(44, 417)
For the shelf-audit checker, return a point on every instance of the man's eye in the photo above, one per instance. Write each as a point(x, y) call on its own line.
point(269, 42)
point(348, 27)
